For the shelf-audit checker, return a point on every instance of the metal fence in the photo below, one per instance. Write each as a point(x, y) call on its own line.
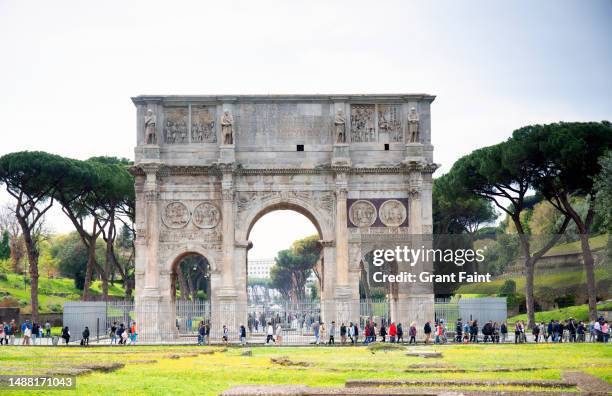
point(293, 321)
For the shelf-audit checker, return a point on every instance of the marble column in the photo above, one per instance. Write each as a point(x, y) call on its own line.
point(227, 193)
point(151, 192)
point(151, 312)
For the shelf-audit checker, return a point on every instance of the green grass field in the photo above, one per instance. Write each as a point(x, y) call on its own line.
point(211, 374)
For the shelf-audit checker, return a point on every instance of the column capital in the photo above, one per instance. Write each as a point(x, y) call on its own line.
point(152, 195)
point(227, 194)
point(327, 243)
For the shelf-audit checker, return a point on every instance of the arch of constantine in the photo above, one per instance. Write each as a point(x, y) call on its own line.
point(208, 167)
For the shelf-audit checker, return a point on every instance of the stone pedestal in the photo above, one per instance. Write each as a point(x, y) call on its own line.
point(147, 153)
point(341, 155)
point(414, 153)
point(417, 308)
point(155, 318)
point(228, 310)
point(227, 153)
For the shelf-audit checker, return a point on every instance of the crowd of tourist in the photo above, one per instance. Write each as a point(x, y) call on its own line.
point(437, 332)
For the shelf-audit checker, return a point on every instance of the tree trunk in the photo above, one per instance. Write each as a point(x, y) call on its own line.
point(529, 285)
point(589, 268)
point(587, 256)
point(182, 283)
point(104, 276)
point(32, 252)
point(91, 262)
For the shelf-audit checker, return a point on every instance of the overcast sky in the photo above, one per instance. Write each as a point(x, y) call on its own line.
point(68, 69)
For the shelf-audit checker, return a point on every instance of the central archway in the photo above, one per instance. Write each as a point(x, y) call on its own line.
point(291, 275)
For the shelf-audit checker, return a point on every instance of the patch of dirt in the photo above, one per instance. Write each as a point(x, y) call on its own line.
point(285, 361)
point(587, 382)
point(438, 382)
point(425, 354)
point(143, 361)
point(105, 367)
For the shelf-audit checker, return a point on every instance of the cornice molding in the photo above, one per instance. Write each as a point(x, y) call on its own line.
point(217, 170)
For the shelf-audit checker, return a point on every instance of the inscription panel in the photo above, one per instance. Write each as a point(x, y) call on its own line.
point(267, 124)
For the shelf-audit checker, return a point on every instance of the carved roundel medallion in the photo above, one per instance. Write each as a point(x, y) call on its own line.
point(206, 215)
point(392, 213)
point(176, 215)
point(362, 213)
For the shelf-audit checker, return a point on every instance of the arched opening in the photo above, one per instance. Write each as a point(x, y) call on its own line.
point(191, 278)
point(191, 291)
point(284, 270)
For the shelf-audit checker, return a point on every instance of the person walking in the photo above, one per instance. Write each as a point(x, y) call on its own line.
point(242, 335)
point(133, 333)
point(580, 330)
point(315, 331)
point(332, 333)
point(85, 335)
point(10, 332)
point(536, 332)
point(113, 333)
point(279, 334)
point(474, 332)
point(201, 333)
point(66, 335)
point(351, 332)
point(412, 332)
point(392, 332)
point(270, 333)
point(3, 333)
point(35, 332)
point(458, 330)
point(503, 330)
point(47, 329)
point(225, 336)
point(400, 333)
point(356, 332)
point(427, 331)
point(342, 333)
point(26, 331)
point(120, 332)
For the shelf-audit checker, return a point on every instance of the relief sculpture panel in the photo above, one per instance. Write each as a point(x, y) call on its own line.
point(203, 124)
point(362, 123)
point(176, 215)
point(389, 123)
point(393, 213)
point(175, 125)
point(206, 215)
point(362, 213)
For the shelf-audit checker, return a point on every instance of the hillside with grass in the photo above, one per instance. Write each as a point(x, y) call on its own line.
point(52, 293)
point(561, 288)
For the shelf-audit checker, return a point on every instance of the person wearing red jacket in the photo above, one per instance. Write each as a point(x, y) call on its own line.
point(392, 332)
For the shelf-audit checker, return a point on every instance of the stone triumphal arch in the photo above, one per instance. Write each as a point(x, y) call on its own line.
point(207, 167)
